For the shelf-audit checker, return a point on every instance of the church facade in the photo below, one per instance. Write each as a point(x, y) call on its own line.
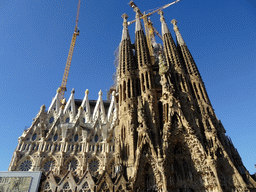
point(157, 132)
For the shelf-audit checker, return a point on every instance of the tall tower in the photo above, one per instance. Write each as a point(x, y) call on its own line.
point(148, 100)
point(125, 134)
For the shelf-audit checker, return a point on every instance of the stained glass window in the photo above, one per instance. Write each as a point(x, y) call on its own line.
point(34, 137)
point(85, 185)
point(49, 165)
point(47, 186)
point(25, 165)
point(51, 120)
point(55, 137)
point(76, 138)
point(66, 188)
point(94, 166)
point(96, 138)
point(104, 186)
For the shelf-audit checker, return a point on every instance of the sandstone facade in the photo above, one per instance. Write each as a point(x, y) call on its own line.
point(158, 132)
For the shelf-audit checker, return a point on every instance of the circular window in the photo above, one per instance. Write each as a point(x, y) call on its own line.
point(51, 120)
point(94, 166)
point(67, 120)
point(25, 165)
point(55, 137)
point(49, 165)
point(72, 165)
point(34, 137)
point(76, 138)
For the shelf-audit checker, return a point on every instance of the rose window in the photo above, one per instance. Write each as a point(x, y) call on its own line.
point(26, 165)
point(93, 167)
point(49, 165)
point(72, 165)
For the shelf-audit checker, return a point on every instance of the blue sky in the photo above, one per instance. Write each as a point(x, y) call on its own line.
point(34, 42)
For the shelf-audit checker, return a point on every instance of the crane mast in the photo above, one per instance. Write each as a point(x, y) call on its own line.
point(70, 54)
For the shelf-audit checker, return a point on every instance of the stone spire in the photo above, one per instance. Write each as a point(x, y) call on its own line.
point(126, 58)
point(196, 81)
point(125, 34)
point(138, 25)
point(147, 84)
point(188, 59)
point(170, 50)
point(177, 32)
point(126, 101)
point(142, 51)
point(164, 26)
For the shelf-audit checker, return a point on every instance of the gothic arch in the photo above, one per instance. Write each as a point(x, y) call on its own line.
point(94, 165)
point(47, 187)
point(86, 184)
point(146, 179)
point(48, 159)
point(104, 183)
point(72, 163)
point(26, 163)
point(111, 167)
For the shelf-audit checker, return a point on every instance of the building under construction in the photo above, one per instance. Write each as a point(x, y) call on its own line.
point(157, 132)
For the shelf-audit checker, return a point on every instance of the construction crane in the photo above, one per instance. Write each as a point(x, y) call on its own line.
point(150, 30)
point(70, 54)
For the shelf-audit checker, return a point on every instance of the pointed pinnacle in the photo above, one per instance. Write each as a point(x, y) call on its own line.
point(175, 27)
point(138, 25)
point(100, 93)
point(161, 13)
point(125, 16)
point(177, 32)
point(136, 9)
point(164, 26)
point(59, 90)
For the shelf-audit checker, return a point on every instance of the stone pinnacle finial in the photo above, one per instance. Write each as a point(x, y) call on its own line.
point(175, 27)
point(177, 32)
point(87, 92)
point(73, 91)
point(136, 9)
point(125, 34)
point(138, 25)
point(125, 16)
point(161, 13)
point(59, 90)
point(164, 26)
point(100, 93)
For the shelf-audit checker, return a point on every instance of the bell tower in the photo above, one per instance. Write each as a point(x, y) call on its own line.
point(125, 134)
point(148, 98)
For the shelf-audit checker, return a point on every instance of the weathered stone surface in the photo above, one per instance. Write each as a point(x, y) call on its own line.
point(159, 132)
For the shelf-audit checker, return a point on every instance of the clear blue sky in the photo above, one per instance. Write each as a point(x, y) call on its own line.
point(34, 42)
